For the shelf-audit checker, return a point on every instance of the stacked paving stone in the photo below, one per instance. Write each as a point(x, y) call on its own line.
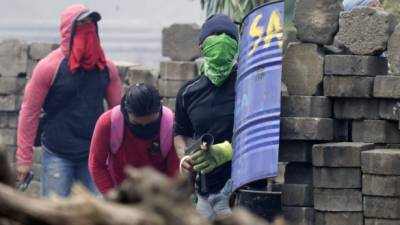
point(337, 59)
point(337, 183)
point(381, 186)
point(180, 44)
point(17, 60)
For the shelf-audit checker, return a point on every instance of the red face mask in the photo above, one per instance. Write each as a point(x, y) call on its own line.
point(86, 50)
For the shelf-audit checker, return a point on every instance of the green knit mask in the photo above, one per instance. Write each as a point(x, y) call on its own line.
point(219, 55)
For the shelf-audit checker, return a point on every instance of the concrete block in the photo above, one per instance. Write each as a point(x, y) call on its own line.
point(180, 42)
point(38, 50)
point(12, 85)
point(140, 74)
point(37, 155)
point(381, 161)
point(123, 67)
point(337, 177)
point(387, 87)
point(8, 119)
point(9, 103)
point(341, 130)
point(373, 221)
point(363, 31)
point(381, 185)
point(338, 200)
point(306, 106)
point(375, 131)
point(394, 51)
point(344, 154)
point(355, 65)
point(354, 108)
point(299, 215)
point(33, 189)
point(169, 88)
point(298, 128)
point(30, 67)
point(339, 218)
point(8, 136)
point(381, 207)
point(175, 70)
point(169, 102)
point(303, 70)
point(36, 171)
point(299, 173)
point(348, 86)
point(289, 36)
point(389, 109)
point(13, 58)
point(317, 20)
point(295, 151)
point(297, 195)
point(11, 150)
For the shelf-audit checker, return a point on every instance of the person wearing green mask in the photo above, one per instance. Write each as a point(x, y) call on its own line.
point(206, 105)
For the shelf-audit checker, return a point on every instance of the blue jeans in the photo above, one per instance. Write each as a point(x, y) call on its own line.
point(58, 175)
point(215, 205)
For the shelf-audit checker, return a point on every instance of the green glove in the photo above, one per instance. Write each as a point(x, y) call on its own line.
point(205, 161)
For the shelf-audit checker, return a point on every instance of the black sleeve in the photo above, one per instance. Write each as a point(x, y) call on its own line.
point(182, 123)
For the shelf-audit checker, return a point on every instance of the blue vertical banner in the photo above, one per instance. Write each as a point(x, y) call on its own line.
point(258, 95)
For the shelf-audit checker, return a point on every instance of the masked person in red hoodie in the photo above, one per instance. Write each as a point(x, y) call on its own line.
point(137, 133)
point(70, 85)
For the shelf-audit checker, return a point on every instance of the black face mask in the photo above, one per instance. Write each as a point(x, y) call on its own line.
point(147, 131)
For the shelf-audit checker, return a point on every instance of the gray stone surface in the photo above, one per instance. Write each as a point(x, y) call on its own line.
point(169, 102)
point(306, 106)
point(36, 171)
point(381, 161)
point(8, 136)
point(11, 85)
point(38, 50)
point(344, 154)
point(387, 87)
point(341, 130)
point(353, 108)
point(317, 20)
point(381, 185)
point(375, 131)
point(389, 109)
point(11, 150)
point(180, 42)
point(394, 51)
point(302, 69)
point(8, 119)
point(363, 30)
point(140, 74)
point(299, 173)
point(289, 36)
point(338, 200)
point(178, 70)
point(284, 89)
point(355, 65)
point(381, 207)
point(13, 58)
point(299, 215)
point(373, 221)
point(9, 103)
point(297, 195)
point(37, 155)
point(298, 128)
point(123, 67)
point(30, 67)
point(337, 177)
point(33, 189)
point(348, 86)
point(295, 151)
point(169, 88)
point(338, 218)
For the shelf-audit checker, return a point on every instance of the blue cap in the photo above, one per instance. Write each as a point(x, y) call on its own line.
point(350, 4)
point(218, 24)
